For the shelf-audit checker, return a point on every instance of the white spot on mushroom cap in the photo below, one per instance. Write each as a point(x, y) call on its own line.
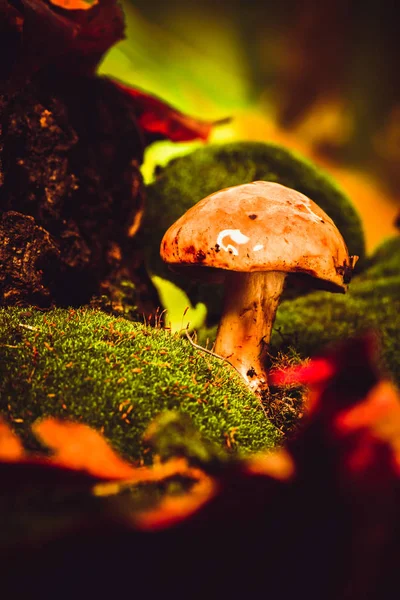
point(258, 247)
point(236, 235)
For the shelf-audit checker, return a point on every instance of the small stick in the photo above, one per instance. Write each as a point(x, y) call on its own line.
point(28, 327)
point(210, 352)
point(198, 347)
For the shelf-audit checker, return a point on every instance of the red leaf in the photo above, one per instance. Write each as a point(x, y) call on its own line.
point(73, 40)
point(354, 414)
point(314, 372)
point(377, 418)
point(160, 121)
point(345, 374)
point(380, 407)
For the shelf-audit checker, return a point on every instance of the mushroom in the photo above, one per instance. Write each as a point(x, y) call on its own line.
point(251, 237)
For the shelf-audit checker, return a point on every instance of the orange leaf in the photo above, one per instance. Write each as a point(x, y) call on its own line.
point(10, 447)
point(74, 4)
point(77, 446)
point(379, 414)
point(278, 464)
point(172, 511)
point(381, 405)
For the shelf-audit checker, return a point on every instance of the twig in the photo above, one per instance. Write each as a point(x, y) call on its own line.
point(210, 352)
point(30, 327)
point(198, 347)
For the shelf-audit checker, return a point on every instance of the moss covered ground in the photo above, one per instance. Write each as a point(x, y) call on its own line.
point(118, 376)
point(188, 179)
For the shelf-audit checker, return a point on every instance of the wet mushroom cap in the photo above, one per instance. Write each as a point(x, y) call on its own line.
point(259, 226)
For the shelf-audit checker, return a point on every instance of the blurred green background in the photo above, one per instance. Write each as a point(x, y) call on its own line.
point(319, 77)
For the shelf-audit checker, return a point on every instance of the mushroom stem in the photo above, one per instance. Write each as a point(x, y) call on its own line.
point(251, 302)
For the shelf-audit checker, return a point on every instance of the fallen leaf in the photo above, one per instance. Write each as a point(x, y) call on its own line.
point(74, 4)
point(278, 464)
point(77, 446)
point(10, 446)
point(317, 371)
point(160, 121)
point(325, 506)
point(172, 511)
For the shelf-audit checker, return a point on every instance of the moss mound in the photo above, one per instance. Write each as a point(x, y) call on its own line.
point(373, 302)
point(118, 376)
point(188, 179)
point(385, 261)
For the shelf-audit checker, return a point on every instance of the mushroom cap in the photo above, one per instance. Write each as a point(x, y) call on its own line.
point(259, 226)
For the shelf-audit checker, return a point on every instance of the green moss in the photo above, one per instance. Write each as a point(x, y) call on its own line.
point(117, 376)
point(188, 179)
point(373, 302)
point(385, 261)
point(172, 433)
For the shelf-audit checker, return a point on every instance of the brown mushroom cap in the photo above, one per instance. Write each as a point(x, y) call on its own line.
point(259, 226)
